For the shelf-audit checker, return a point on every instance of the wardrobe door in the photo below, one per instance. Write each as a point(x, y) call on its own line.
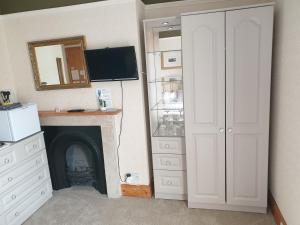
point(203, 41)
point(248, 73)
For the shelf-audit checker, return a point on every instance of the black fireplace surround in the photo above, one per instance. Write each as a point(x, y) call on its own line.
point(75, 156)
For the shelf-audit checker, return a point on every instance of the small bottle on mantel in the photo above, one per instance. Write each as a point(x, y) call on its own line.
point(103, 105)
point(57, 109)
point(104, 98)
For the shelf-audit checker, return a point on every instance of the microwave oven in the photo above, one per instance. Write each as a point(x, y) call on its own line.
point(19, 123)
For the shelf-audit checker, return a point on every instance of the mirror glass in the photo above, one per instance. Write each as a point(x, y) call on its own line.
point(59, 63)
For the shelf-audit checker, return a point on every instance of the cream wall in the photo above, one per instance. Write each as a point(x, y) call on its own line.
point(285, 112)
point(105, 24)
point(6, 78)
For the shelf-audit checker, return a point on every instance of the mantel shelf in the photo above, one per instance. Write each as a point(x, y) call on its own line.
point(85, 113)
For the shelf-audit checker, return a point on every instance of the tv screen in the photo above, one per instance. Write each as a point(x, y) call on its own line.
point(110, 64)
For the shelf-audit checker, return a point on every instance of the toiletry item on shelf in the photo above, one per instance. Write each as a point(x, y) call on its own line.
point(104, 98)
point(5, 95)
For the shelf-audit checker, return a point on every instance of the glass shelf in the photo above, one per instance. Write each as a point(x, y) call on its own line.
point(168, 106)
point(158, 52)
point(165, 85)
point(166, 81)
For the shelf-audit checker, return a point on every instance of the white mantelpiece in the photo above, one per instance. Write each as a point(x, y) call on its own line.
point(109, 131)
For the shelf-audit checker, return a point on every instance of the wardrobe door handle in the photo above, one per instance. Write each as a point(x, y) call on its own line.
point(229, 130)
point(221, 130)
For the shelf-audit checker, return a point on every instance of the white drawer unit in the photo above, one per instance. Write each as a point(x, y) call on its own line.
point(170, 184)
point(25, 183)
point(173, 145)
point(169, 162)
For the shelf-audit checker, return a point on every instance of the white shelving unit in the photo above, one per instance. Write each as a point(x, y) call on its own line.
point(165, 93)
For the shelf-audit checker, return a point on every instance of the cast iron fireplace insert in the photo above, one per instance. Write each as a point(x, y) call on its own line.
point(75, 156)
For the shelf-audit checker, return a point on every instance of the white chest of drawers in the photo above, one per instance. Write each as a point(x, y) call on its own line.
point(25, 183)
point(169, 165)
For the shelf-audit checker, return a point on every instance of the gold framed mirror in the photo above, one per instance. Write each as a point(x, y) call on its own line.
point(59, 63)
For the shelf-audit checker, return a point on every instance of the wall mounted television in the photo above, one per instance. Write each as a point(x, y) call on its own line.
point(112, 64)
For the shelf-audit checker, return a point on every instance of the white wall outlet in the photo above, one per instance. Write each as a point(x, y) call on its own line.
point(133, 179)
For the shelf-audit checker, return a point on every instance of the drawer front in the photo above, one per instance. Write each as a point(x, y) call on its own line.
point(169, 162)
point(168, 145)
point(21, 151)
point(10, 178)
point(23, 210)
point(11, 197)
point(7, 161)
point(34, 145)
point(170, 182)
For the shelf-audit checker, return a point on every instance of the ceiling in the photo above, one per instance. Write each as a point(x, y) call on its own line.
point(13, 6)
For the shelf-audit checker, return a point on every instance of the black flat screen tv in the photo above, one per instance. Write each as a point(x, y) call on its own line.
point(112, 64)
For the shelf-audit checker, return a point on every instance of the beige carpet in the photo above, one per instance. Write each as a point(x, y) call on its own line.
point(85, 206)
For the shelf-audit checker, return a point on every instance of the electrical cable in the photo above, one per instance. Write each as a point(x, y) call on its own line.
point(121, 128)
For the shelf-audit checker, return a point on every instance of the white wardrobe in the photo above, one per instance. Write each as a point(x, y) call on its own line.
point(227, 76)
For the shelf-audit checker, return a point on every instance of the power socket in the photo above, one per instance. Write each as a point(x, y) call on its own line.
point(132, 178)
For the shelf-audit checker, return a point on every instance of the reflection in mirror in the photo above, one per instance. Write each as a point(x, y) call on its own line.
point(59, 64)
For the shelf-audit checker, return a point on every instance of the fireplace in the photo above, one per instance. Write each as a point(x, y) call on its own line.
point(75, 156)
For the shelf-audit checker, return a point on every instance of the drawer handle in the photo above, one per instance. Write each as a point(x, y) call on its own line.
point(168, 182)
point(42, 192)
point(6, 161)
point(166, 163)
point(41, 177)
point(17, 214)
point(167, 146)
point(10, 179)
point(13, 197)
point(35, 146)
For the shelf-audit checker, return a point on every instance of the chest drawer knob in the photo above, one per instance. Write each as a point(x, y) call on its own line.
point(17, 214)
point(167, 146)
point(6, 161)
point(40, 177)
point(42, 192)
point(169, 182)
point(13, 197)
point(166, 163)
point(10, 179)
